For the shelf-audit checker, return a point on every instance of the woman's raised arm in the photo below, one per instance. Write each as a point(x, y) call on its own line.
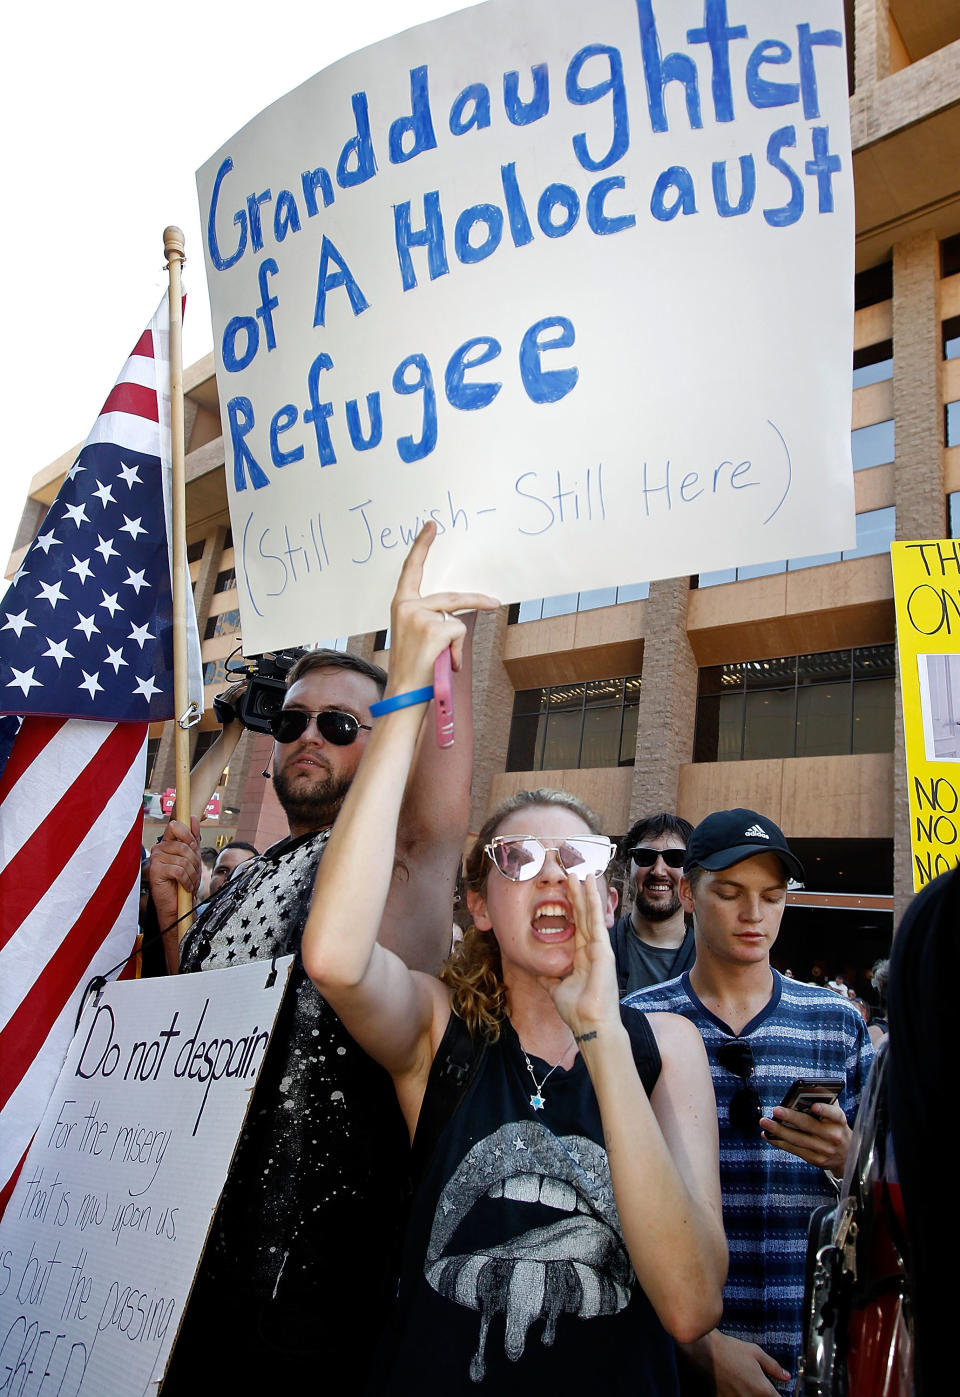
point(387, 1008)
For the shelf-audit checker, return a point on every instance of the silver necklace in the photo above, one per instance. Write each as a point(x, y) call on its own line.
point(537, 1100)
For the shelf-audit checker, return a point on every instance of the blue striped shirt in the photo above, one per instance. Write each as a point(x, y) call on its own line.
point(768, 1195)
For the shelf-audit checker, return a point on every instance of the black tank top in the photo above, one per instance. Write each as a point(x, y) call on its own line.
point(515, 1277)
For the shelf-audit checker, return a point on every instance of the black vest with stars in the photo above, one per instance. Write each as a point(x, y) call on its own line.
point(314, 1200)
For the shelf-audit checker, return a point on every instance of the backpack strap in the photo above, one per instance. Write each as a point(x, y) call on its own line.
point(618, 940)
point(646, 1054)
point(454, 1067)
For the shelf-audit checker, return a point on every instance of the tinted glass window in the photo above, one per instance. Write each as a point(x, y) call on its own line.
point(575, 725)
point(823, 720)
point(768, 724)
point(873, 704)
point(829, 703)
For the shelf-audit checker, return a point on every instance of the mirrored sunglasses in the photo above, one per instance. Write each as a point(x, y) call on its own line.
point(521, 857)
point(646, 858)
point(746, 1108)
point(335, 727)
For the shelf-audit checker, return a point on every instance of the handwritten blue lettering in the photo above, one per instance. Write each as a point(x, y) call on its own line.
point(412, 378)
point(568, 503)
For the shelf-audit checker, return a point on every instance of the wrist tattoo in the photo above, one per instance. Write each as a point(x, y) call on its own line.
point(585, 1037)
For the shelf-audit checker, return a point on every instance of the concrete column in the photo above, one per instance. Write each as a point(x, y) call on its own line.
point(871, 43)
point(917, 395)
point(492, 709)
point(668, 700)
point(190, 410)
point(362, 645)
point(207, 572)
point(919, 489)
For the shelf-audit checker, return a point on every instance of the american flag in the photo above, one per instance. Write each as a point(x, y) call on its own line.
point(86, 653)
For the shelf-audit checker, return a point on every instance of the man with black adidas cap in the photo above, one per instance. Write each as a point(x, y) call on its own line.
point(761, 1033)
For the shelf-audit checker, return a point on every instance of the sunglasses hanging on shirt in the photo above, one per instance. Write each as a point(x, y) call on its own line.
point(745, 1108)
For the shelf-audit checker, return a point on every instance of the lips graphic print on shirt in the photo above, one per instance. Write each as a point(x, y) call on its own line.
point(515, 1278)
point(576, 1264)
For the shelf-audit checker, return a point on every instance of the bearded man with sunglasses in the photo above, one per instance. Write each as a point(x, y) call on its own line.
point(761, 1032)
point(305, 1240)
point(653, 941)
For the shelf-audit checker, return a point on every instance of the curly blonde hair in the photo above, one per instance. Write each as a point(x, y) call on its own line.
point(474, 972)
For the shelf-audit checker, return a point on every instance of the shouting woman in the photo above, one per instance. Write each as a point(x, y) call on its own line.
point(566, 1222)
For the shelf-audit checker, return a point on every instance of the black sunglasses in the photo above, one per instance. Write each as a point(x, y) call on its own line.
point(646, 858)
point(335, 727)
point(746, 1108)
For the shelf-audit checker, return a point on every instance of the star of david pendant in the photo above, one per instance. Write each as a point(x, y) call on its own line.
point(538, 1102)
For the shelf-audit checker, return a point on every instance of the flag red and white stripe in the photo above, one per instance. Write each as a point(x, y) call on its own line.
point(70, 832)
point(71, 801)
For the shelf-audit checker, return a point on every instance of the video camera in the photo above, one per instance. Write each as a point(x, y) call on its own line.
point(266, 684)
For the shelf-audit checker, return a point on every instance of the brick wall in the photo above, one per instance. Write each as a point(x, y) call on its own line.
point(668, 700)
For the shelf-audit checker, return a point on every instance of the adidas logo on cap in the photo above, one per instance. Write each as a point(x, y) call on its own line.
point(727, 836)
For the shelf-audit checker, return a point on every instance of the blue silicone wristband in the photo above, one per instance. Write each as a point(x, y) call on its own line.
point(389, 705)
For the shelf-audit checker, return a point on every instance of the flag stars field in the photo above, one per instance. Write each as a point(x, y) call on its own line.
point(136, 580)
point(91, 682)
point(23, 679)
point(86, 624)
point(81, 566)
point(146, 687)
point(51, 592)
point(17, 623)
point(57, 650)
point(59, 573)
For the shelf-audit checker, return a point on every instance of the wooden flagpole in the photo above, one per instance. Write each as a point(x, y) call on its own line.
point(173, 245)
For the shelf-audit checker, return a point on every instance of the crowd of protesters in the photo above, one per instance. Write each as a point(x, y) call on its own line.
point(571, 1149)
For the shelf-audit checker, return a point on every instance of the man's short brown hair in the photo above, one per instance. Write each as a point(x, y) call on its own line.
point(338, 659)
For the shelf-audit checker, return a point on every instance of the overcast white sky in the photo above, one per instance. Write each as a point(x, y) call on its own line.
point(107, 110)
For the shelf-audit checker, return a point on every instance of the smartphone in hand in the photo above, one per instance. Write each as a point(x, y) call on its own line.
point(806, 1092)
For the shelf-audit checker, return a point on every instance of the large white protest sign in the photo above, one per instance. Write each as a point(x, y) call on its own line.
point(101, 1237)
point(573, 278)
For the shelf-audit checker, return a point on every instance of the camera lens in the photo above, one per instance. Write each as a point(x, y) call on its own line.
point(266, 701)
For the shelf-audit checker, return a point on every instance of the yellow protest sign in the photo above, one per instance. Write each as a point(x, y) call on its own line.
point(926, 583)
